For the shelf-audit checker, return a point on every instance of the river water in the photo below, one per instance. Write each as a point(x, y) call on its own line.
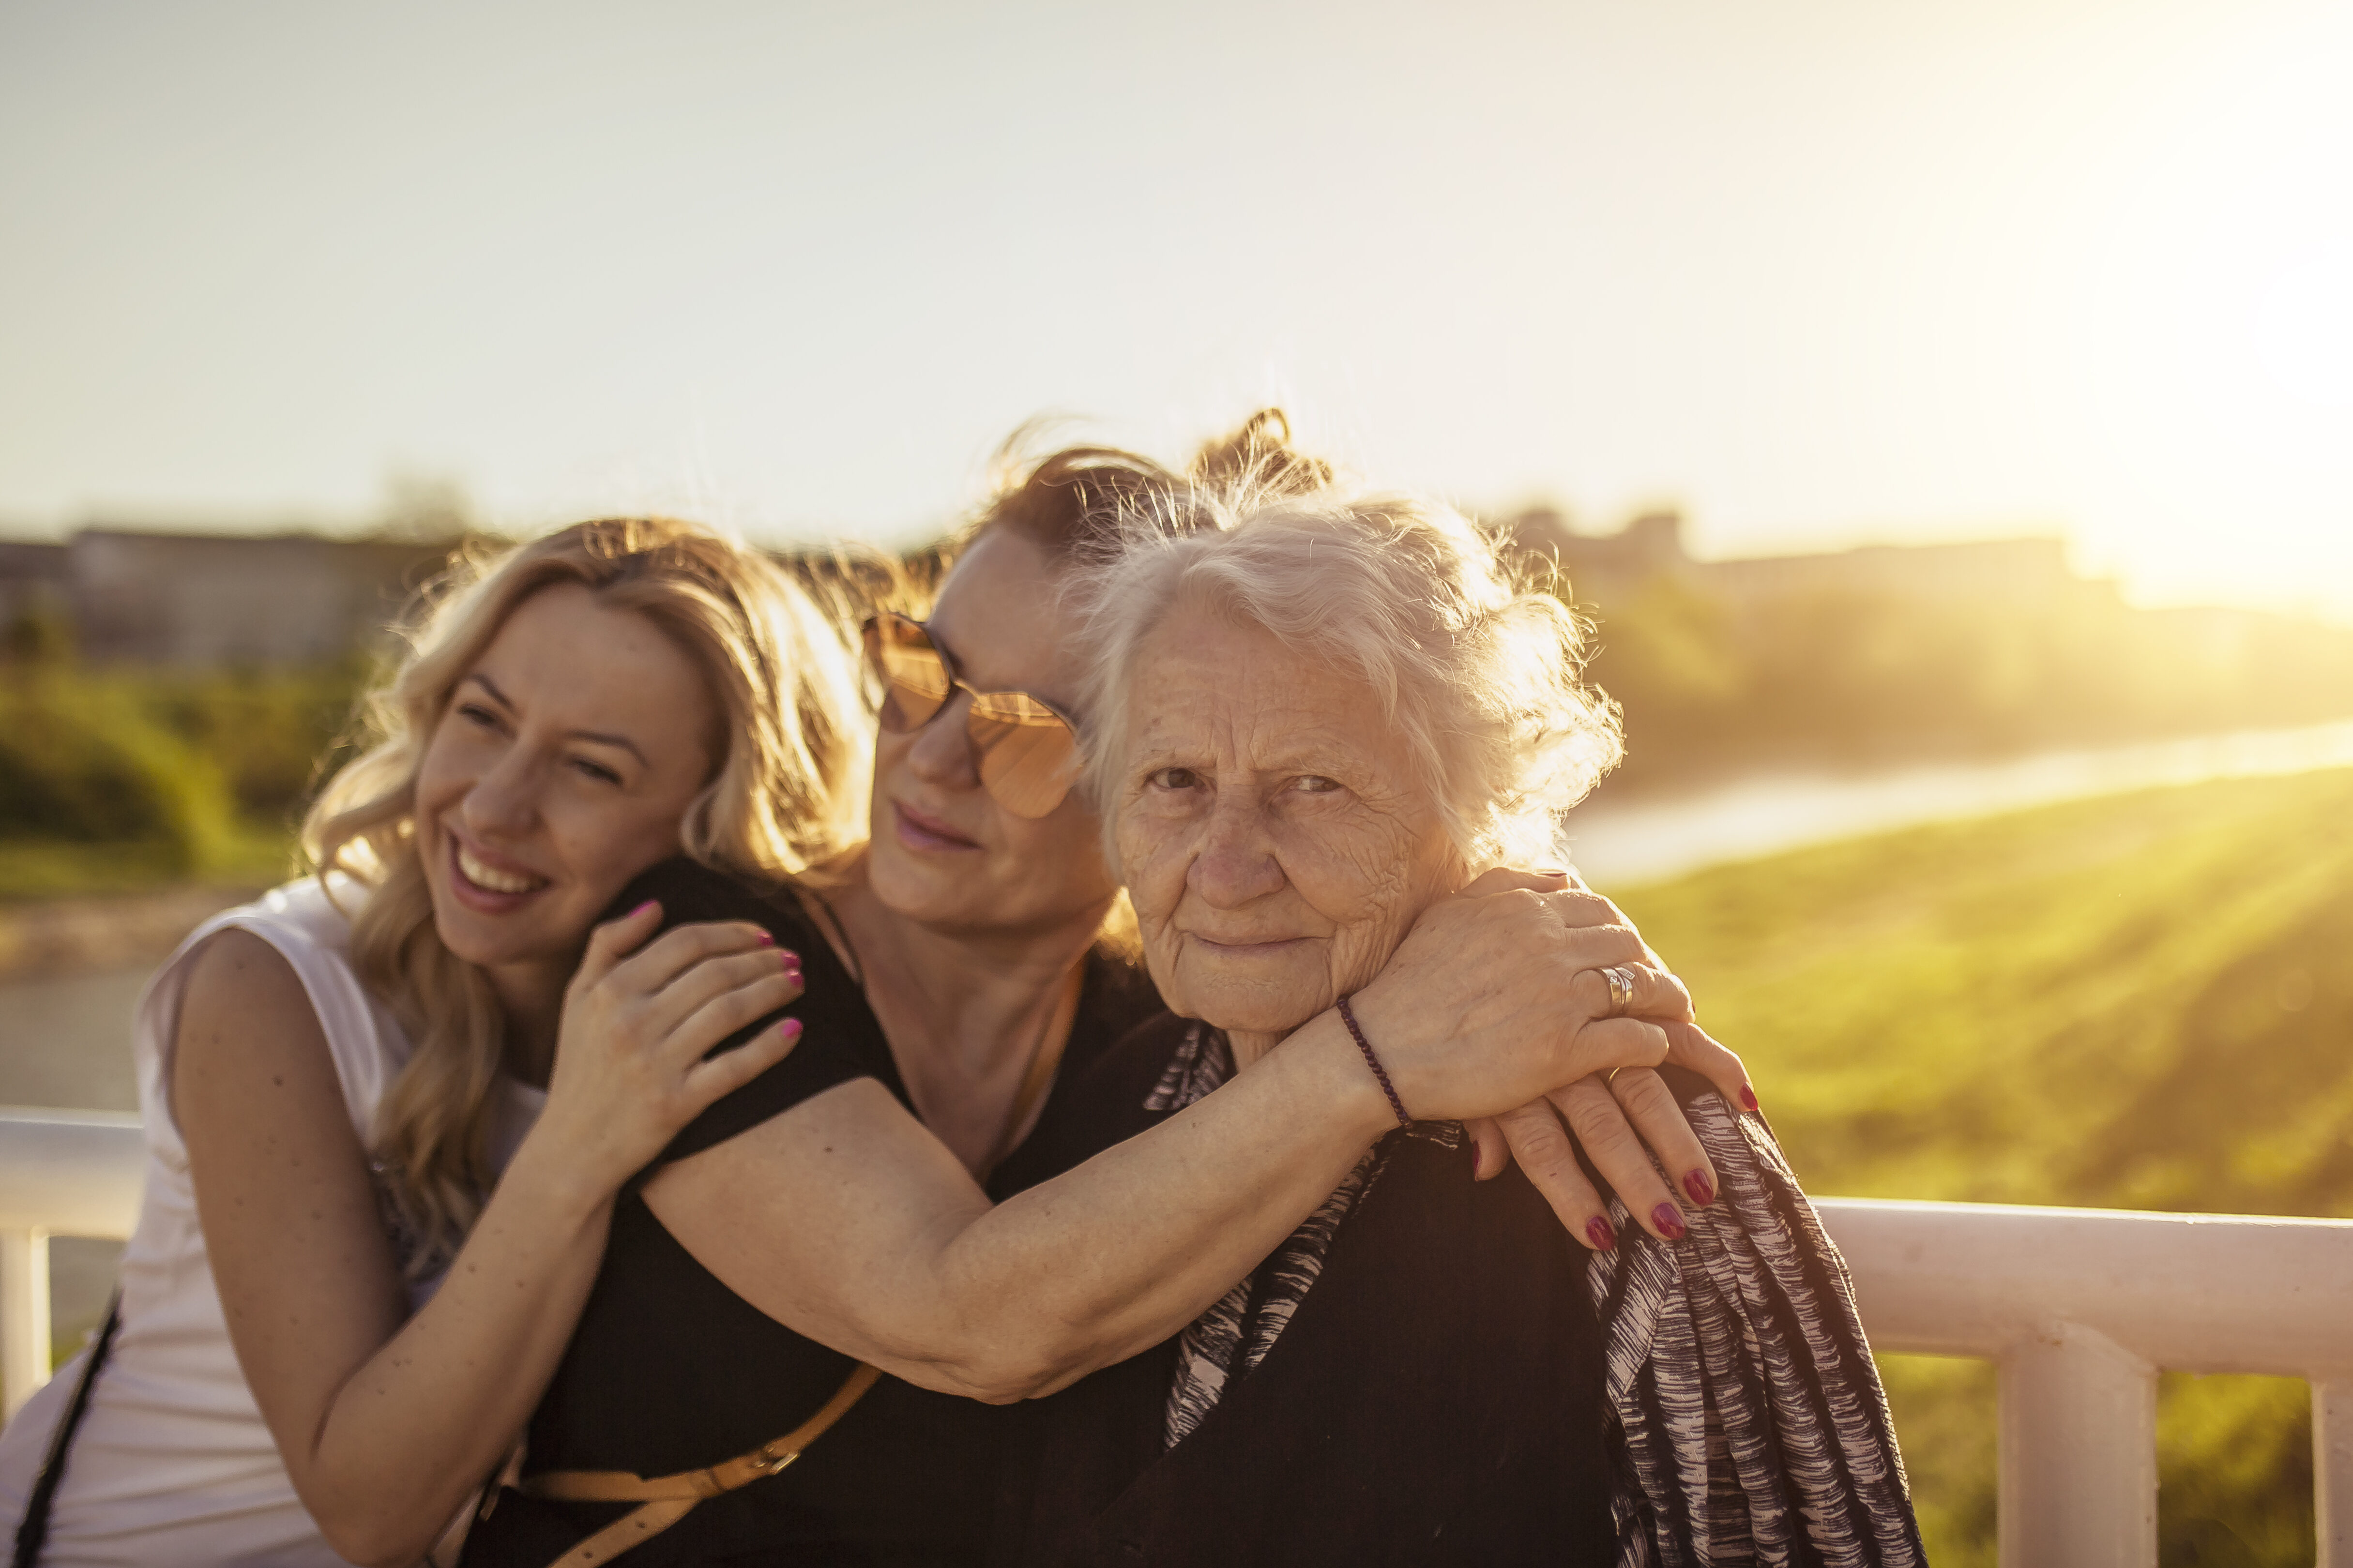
point(1655, 838)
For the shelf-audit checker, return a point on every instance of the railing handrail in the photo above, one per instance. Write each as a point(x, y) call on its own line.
point(76, 1172)
point(2188, 1292)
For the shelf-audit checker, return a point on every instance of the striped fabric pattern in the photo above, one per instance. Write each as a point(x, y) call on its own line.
point(1748, 1423)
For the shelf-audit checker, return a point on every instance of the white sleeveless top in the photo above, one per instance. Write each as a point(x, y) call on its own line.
point(172, 1463)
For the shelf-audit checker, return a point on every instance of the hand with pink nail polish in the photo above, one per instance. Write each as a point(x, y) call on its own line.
point(639, 1017)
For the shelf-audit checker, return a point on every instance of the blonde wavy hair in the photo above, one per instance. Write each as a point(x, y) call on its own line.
point(790, 793)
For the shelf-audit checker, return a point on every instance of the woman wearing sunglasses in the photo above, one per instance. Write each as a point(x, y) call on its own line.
point(808, 1305)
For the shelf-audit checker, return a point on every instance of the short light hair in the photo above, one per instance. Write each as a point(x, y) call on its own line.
point(1480, 672)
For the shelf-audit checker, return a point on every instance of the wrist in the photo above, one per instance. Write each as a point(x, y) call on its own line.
point(559, 1188)
point(1336, 1076)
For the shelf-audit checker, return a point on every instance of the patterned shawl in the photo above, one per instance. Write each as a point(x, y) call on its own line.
point(1746, 1417)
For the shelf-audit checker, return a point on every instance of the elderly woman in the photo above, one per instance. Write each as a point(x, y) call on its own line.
point(1311, 719)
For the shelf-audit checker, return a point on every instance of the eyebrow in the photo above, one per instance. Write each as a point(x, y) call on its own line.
point(594, 737)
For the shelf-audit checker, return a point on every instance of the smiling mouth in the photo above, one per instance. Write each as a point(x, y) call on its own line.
point(489, 878)
point(1246, 949)
point(921, 832)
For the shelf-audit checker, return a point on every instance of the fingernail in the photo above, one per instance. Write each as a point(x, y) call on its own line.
point(791, 961)
point(765, 940)
point(1748, 1098)
point(1478, 1164)
point(1669, 1220)
point(642, 908)
point(790, 1028)
point(1702, 1190)
point(1598, 1232)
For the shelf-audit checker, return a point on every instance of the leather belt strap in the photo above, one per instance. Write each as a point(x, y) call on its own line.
point(666, 1499)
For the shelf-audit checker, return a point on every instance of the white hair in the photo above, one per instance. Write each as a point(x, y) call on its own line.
point(1480, 672)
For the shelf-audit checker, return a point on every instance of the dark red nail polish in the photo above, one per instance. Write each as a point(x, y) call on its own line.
point(1598, 1232)
point(1748, 1098)
point(1669, 1220)
point(1702, 1190)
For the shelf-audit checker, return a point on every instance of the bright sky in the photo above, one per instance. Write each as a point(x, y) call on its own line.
point(1820, 270)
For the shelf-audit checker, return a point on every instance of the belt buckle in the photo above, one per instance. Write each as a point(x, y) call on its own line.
point(768, 1464)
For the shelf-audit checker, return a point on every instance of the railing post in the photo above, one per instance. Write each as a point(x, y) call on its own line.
point(23, 1315)
point(2078, 1466)
point(2332, 1470)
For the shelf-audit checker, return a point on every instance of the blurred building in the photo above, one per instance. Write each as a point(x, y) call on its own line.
point(200, 600)
point(1607, 568)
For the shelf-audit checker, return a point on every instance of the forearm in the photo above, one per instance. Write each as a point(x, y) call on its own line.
point(408, 1438)
point(1116, 1255)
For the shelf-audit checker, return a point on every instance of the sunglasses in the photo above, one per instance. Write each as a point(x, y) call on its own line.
point(1027, 754)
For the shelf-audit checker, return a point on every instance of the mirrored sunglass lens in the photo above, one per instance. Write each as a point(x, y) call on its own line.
point(1029, 758)
point(915, 682)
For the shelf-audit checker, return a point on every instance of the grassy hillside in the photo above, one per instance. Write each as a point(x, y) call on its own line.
point(2143, 1001)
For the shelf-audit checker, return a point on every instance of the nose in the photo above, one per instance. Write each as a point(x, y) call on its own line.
point(1236, 861)
point(941, 753)
point(503, 803)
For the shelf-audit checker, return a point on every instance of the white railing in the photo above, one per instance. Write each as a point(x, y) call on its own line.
point(2079, 1307)
point(62, 1172)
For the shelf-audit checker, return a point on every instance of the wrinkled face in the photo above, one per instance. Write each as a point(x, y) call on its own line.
point(944, 853)
point(1275, 842)
point(560, 769)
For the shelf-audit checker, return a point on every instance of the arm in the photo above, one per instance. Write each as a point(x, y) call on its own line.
point(848, 1222)
point(386, 1427)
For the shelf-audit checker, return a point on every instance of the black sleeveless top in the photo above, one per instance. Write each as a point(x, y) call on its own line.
point(670, 1370)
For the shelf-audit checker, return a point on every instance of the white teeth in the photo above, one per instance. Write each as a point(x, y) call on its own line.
point(497, 881)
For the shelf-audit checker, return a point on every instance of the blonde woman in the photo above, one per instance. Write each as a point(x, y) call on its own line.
point(336, 1312)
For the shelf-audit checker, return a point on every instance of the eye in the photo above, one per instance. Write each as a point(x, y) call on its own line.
point(1174, 778)
point(477, 715)
point(596, 771)
point(1315, 783)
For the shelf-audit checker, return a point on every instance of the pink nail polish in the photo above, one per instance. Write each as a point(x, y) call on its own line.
point(1669, 1220)
point(1598, 1232)
point(765, 940)
point(1748, 1098)
point(791, 962)
point(1702, 1190)
point(642, 908)
point(790, 1029)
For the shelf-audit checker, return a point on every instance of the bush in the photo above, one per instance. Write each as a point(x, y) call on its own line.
point(83, 766)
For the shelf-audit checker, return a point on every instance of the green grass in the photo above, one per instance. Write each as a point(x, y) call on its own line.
point(2140, 1002)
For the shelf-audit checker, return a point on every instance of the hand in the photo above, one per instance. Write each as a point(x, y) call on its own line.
point(629, 1070)
point(1596, 1112)
point(1496, 997)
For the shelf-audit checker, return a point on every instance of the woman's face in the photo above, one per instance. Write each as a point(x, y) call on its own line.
point(944, 853)
point(1276, 844)
point(561, 768)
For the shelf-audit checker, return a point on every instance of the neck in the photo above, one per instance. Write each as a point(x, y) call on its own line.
point(1249, 1045)
point(531, 996)
point(962, 997)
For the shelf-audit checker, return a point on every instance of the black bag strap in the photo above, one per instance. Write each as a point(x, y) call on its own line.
point(33, 1532)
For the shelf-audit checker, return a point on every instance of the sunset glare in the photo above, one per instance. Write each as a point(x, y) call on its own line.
point(1817, 271)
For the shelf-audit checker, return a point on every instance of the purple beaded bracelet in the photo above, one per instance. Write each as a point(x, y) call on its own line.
point(1348, 1016)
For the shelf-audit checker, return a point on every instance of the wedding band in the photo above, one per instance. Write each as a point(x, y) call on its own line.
point(1620, 977)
